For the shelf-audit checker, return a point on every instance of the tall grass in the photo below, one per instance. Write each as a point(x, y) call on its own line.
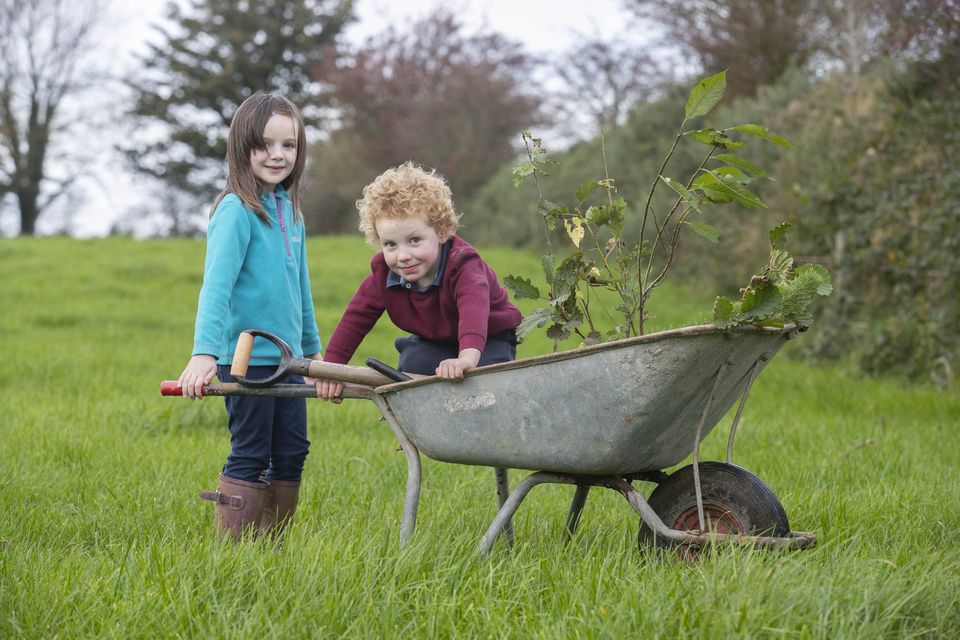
point(102, 533)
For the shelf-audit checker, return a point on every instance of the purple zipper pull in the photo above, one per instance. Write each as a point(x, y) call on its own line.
point(283, 227)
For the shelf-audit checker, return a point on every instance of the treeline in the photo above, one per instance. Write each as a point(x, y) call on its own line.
point(871, 186)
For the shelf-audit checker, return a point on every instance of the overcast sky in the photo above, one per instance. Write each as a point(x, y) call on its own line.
point(543, 26)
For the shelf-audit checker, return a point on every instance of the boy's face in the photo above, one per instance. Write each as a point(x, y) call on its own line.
point(411, 248)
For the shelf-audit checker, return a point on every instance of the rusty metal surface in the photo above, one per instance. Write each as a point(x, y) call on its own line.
point(618, 408)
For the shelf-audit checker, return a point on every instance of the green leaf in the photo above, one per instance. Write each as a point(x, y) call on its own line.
point(714, 138)
point(704, 231)
point(521, 172)
point(819, 274)
point(734, 174)
point(761, 132)
point(778, 236)
point(551, 209)
point(735, 190)
point(737, 161)
point(705, 95)
point(780, 266)
point(702, 135)
point(535, 319)
point(521, 288)
point(761, 300)
point(688, 196)
point(557, 332)
point(723, 312)
point(586, 188)
point(609, 215)
point(548, 269)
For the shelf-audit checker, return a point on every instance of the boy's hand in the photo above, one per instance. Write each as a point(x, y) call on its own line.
point(199, 372)
point(454, 368)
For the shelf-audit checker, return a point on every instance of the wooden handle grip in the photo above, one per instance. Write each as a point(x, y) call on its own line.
point(241, 355)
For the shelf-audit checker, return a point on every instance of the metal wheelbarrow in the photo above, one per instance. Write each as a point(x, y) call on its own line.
point(654, 399)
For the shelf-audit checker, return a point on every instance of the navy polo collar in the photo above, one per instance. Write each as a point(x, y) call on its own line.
point(396, 280)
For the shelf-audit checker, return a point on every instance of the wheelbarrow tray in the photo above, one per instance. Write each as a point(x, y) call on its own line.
point(616, 408)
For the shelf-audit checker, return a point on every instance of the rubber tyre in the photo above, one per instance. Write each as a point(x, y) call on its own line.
point(734, 501)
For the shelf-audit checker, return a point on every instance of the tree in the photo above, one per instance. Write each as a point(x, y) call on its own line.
point(757, 40)
point(43, 44)
point(432, 94)
point(220, 53)
point(860, 32)
point(602, 80)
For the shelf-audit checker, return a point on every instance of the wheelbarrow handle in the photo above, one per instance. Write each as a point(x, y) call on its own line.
point(292, 365)
point(173, 388)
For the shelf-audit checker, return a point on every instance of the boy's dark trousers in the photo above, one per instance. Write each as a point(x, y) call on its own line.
point(419, 355)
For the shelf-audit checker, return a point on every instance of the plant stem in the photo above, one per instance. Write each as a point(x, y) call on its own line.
point(647, 209)
point(666, 221)
point(546, 227)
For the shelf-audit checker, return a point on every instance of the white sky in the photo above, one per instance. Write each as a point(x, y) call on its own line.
point(543, 26)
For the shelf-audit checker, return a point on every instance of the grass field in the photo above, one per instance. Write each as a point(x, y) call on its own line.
point(102, 534)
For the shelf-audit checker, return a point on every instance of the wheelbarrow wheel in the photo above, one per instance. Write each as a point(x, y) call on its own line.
point(734, 501)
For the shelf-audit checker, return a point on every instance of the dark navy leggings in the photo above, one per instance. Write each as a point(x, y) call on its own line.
point(419, 355)
point(268, 436)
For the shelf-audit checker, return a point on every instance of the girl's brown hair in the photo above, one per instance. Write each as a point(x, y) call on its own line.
point(246, 136)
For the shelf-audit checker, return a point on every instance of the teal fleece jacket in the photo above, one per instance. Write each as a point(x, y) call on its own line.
point(255, 277)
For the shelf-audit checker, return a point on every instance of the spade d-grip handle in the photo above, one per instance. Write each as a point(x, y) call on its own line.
point(292, 365)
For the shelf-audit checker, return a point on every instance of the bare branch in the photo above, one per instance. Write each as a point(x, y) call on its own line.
point(44, 43)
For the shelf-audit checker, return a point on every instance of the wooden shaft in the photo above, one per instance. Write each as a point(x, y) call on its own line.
point(346, 373)
point(171, 388)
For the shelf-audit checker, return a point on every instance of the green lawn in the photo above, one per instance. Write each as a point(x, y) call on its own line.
point(102, 534)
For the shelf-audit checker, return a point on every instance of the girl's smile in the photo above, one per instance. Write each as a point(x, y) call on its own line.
point(275, 161)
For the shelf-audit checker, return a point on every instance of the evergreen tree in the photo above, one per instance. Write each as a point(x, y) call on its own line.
point(217, 54)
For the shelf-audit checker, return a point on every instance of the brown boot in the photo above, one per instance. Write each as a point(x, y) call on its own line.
point(239, 506)
point(279, 506)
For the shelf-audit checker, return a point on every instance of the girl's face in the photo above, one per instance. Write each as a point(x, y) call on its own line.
point(411, 249)
point(274, 163)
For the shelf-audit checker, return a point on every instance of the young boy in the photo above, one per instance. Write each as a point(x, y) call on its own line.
point(428, 280)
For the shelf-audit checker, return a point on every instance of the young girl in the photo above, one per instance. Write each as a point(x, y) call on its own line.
point(255, 276)
point(428, 280)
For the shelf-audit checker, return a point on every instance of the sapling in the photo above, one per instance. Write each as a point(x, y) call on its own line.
point(598, 256)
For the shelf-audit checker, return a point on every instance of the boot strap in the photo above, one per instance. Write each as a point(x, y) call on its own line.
point(236, 502)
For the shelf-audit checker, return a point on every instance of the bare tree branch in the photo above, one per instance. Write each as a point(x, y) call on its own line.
point(43, 43)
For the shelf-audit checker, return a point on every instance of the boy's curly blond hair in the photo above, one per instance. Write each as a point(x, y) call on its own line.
point(403, 192)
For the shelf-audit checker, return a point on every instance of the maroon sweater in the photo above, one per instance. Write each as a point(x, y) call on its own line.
point(467, 306)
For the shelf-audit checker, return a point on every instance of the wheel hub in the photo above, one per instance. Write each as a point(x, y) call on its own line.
point(717, 518)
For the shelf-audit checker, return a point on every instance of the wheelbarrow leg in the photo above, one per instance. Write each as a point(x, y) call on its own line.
point(510, 507)
point(412, 498)
point(414, 474)
point(644, 510)
point(576, 507)
point(503, 492)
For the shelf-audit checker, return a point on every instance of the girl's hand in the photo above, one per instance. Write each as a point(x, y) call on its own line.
point(454, 368)
point(330, 390)
point(326, 389)
point(198, 373)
